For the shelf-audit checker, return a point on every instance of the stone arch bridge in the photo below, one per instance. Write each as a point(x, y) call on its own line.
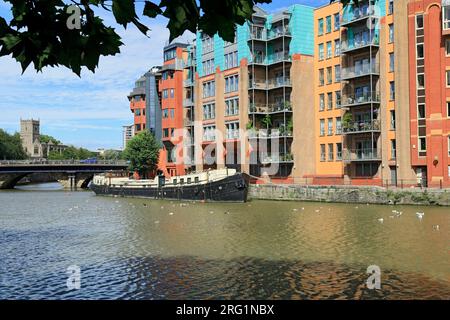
point(72, 174)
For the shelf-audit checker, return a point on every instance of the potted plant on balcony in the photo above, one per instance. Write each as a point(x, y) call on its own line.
point(267, 121)
point(347, 120)
point(289, 128)
point(287, 105)
point(250, 129)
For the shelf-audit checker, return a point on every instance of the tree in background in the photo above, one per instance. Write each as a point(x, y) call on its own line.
point(46, 139)
point(71, 153)
point(50, 33)
point(143, 152)
point(112, 155)
point(11, 146)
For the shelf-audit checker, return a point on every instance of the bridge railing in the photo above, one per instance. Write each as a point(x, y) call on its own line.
point(62, 162)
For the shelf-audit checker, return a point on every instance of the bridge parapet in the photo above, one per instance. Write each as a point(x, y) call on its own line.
point(62, 162)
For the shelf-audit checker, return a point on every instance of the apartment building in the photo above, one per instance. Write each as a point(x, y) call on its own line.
point(429, 89)
point(171, 87)
point(327, 95)
point(246, 85)
point(145, 103)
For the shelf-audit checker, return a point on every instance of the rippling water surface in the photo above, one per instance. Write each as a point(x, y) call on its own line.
point(142, 249)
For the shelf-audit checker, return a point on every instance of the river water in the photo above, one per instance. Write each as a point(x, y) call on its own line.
point(146, 249)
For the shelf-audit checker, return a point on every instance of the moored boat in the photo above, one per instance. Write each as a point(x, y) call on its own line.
point(222, 185)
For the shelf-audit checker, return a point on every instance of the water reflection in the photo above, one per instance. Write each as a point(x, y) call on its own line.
point(142, 249)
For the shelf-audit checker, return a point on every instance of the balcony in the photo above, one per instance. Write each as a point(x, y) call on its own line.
point(355, 15)
point(188, 122)
point(276, 158)
point(356, 44)
point(232, 135)
point(270, 108)
point(355, 127)
point(278, 33)
point(271, 59)
point(270, 84)
point(360, 71)
point(360, 99)
point(188, 102)
point(188, 83)
point(367, 154)
point(262, 34)
point(272, 134)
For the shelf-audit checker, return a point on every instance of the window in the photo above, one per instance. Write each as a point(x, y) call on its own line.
point(138, 127)
point(391, 33)
point(165, 133)
point(207, 44)
point(321, 77)
point(337, 73)
point(420, 81)
point(320, 51)
point(338, 151)
point(338, 125)
point(330, 126)
point(330, 152)
point(337, 47)
point(137, 112)
point(231, 83)
point(165, 113)
point(209, 133)
point(421, 111)
point(172, 113)
point(391, 7)
point(419, 21)
point(446, 17)
point(329, 75)
point(322, 152)
point(322, 127)
point(232, 107)
point(232, 130)
point(209, 111)
point(208, 66)
point(321, 102)
point(231, 60)
point(328, 19)
point(320, 27)
point(172, 93)
point(422, 144)
point(392, 90)
point(447, 73)
point(209, 89)
point(391, 62)
point(448, 109)
point(329, 50)
point(336, 21)
point(447, 47)
point(338, 99)
point(392, 119)
point(330, 101)
point(393, 149)
point(165, 93)
point(420, 51)
point(170, 54)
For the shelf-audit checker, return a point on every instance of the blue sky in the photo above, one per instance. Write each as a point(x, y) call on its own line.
point(88, 111)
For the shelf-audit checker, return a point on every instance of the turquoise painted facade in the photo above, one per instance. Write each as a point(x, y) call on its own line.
point(219, 59)
point(242, 36)
point(301, 26)
point(199, 52)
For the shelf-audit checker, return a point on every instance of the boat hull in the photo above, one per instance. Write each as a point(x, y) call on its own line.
point(230, 189)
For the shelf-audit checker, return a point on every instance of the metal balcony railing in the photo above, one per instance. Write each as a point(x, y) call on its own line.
point(367, 154)
point(360, 71)
point(270, 108)
point(272, 34)
point(349, 45)
point(188, 122)
point(188, 83)
point(271, 59)
point(353, 100)
point(276, 158)
point(269, 134)
point(270, 84)
point(188, 102)
point(362, 12)
point(361, 126)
